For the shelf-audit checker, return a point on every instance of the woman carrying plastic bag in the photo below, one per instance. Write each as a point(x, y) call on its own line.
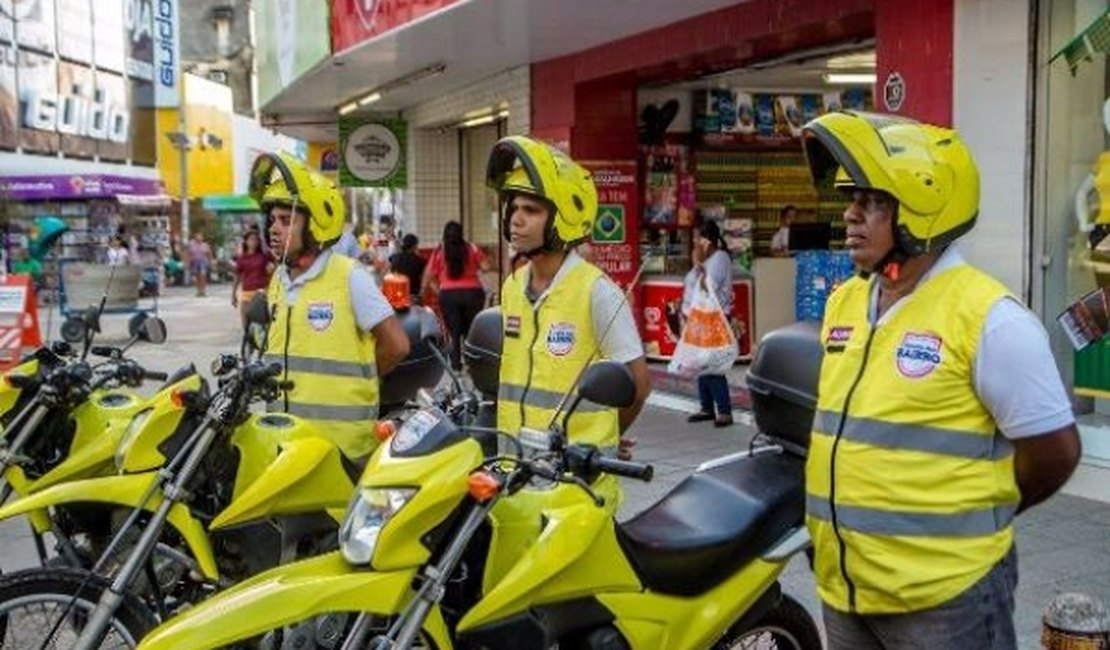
point(707, 347)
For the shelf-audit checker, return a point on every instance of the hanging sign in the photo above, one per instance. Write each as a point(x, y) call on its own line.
point(372, 153)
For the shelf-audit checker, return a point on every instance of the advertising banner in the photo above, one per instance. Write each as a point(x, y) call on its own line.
point(117, 118)
point(372, 152)
point(138, 22)
point(9, 100)
point(110, 44)
point(614, 246)
point(75, 30)
point(354, 21)
point(292, 38)
point(81, 186)
point(34, 23)
point(167, 54)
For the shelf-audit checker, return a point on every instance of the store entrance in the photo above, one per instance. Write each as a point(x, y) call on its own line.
point(727, 149)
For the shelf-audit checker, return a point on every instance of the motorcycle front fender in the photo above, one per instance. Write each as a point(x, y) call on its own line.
point(126, 491)
point(287, 595)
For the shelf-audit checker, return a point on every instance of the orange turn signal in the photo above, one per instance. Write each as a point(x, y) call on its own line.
point(385, 430)
point(177, 398)
point(483, 486)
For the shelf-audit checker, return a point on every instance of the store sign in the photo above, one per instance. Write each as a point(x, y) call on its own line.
point(167, 54)
point(373, 153)
point(355, 21)
point(614, 244)
point(79, 111)
point(894, 92)
point(83, 186)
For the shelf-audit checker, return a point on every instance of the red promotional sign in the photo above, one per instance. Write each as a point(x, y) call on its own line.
point(614, 246)
point(354, 21)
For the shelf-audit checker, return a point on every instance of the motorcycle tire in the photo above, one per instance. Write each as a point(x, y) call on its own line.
point(789, 626)
point(40, 589)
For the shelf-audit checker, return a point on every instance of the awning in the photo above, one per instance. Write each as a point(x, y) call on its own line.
point(145, 200)
point(229, 203)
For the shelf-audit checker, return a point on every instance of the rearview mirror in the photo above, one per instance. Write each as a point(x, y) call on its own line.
point(153, 330)
point(258, 311)
point(608, 383)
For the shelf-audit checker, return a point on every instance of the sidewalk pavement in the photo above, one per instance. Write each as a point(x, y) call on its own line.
point(1063, 545)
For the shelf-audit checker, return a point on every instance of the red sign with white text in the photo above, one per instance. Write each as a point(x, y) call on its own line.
point(614, 246)
point(354, 21)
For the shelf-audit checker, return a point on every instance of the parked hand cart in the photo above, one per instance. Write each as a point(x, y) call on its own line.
point(82, 285)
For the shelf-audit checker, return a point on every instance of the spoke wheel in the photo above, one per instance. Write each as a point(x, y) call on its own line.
point(787, 627)
point(33, 602)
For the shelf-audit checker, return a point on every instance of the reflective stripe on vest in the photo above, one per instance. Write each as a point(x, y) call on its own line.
point(914, 437)
point(910, 489)
point(324, 366)
point(545, 348)
point(545, 399)
point(327, 357)
point(971, 523)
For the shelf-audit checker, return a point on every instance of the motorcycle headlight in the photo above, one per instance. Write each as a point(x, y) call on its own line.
point(129, 435)
point(368, 513)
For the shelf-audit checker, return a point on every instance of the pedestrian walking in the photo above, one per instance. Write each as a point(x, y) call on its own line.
point(252, 272)
point(409, 263)
point(940, 415)
point(200, 261)
point(453, 272)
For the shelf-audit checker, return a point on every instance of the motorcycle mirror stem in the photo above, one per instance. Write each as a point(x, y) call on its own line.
point(455, 383)
point(89, 331)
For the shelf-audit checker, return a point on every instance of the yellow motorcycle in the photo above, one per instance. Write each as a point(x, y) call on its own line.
point(66, 418)
point(443, 547)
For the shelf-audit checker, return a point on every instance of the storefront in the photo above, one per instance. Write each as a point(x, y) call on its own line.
point(78, 92)
point(1072, 202)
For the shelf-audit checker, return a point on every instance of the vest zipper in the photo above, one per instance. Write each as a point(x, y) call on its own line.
point(832, 473)
point(531, 361)
point(288, 335)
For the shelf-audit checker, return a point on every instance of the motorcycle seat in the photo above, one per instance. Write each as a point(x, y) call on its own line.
point(715, 522)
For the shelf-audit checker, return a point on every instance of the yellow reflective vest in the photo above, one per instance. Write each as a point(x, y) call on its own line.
point(327, 357)
point(545, 348)
point(910, 488)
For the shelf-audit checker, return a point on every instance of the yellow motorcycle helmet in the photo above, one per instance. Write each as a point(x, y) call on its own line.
point(521, 165)
point(927, 169)
point(281, 179)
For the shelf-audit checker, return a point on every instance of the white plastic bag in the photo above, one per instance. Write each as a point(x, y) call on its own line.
point(707, 345)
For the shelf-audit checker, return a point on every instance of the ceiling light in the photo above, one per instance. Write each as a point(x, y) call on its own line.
point(349, 107)
point(370, 99)
point(375, 94)
point(855, 61)
point(850, 78)
point(478, 121)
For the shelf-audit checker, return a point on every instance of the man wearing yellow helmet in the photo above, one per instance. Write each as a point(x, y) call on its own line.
point(559, 311)
point(940, 412)
point(333, 330)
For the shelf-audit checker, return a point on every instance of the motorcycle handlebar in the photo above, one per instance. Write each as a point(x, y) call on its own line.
point(103, 351)
point(627, 469)
point(154, 375)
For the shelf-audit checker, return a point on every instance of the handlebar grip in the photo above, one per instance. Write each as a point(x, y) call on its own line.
point(102, 351)
point(22, 382)
point(286, 385)
point(154, 375)
point(638, 471)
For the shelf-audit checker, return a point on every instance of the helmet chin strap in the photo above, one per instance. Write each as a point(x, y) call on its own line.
point(305, 259)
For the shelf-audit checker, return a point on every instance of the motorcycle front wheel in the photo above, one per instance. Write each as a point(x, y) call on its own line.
point(786, 627)
point(33, 602)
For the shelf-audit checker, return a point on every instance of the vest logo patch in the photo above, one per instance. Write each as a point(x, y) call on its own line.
point(837, 338)
point(918, 354)
point(512, 326)
point(560, 339)
point(320, 315)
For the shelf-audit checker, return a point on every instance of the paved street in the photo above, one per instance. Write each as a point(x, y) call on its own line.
point(1063, 545)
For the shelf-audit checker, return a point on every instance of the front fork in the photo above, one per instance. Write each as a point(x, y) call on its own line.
point(406, 628)
point(9, 454)
point(173, 494)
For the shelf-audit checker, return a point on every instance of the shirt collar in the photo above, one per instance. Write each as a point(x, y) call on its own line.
point(315, 269)
point(572, 260)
